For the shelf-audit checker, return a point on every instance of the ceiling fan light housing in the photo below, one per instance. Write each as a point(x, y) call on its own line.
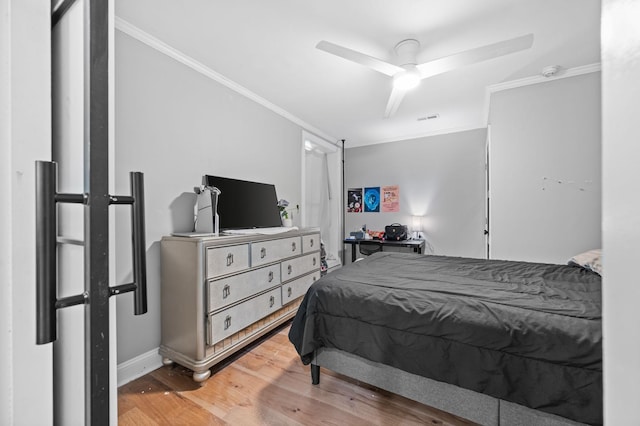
point(407, 79)
point(406, 51)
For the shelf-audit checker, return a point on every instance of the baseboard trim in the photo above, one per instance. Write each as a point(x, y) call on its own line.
point(138, 366)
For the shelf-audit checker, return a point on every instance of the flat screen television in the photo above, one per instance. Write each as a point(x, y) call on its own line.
point(245, 205)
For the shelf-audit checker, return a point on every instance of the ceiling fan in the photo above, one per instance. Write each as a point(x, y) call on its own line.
point(408, 73)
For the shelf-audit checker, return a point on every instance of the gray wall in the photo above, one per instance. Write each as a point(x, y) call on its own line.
point(174, 125)
point(545, 171)
point(441, 178)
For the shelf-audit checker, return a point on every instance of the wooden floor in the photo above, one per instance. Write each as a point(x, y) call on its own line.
point(266, 384)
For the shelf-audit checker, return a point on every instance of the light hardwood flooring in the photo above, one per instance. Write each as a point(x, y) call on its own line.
point(266, 384)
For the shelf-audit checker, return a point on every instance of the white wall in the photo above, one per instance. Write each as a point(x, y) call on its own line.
point(25, 136)
point(174, 125)
point(6, 319)
point(441, 178)
point(545, 172)
point(621, 209)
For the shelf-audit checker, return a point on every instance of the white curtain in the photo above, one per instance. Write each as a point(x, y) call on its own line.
point(319, 198)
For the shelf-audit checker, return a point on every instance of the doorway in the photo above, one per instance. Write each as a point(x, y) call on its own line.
point(321, 193)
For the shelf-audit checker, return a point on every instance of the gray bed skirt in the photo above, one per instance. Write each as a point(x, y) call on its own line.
point(474, 406)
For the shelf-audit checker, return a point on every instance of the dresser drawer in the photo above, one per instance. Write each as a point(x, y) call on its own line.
point(274, 250)
point(227, 291)
point(225, 260)
point(230, 321)
point(310, 243)
point(293, 268)
point(296, 288)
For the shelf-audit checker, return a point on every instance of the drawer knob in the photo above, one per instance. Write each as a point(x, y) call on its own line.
point(270, 276)
point(263, 253)
point(229, 259)
point(314, 261)
point(226, 291)
point(289, 269)
point(227, 322)
point(289, 292)
point(293, 246)
point(311, 242)
point(314, 279)
point(272, 301)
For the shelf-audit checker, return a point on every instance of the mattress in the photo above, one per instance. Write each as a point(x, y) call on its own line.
point(528, 333)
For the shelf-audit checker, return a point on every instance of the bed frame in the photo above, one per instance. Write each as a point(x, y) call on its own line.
point(474, 406)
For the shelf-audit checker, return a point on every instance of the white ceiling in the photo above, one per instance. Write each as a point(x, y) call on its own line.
point(268, 47)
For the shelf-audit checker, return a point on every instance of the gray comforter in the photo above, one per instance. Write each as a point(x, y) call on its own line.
point(524, 332)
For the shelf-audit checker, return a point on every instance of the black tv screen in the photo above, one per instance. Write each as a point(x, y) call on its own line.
point(243, 204)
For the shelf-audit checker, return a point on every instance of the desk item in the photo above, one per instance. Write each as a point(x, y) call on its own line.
point(207, 220)
point(368, 247)
point(395, 232)
point(193, 234)
point(358, 235)
point(377, 235)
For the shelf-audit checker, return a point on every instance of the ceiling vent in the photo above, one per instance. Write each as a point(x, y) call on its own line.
point(429, 117)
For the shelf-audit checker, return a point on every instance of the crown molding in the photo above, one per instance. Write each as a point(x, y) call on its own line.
point(409, 137)
point(570, 72)
point(157, 44)
point(536, 79)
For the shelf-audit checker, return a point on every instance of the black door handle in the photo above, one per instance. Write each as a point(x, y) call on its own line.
point(139, 285)
point(46, 240)
point(46, 265)
point(139, 244)
point(46, 260)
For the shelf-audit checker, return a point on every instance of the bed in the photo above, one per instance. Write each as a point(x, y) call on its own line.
point(496, 342)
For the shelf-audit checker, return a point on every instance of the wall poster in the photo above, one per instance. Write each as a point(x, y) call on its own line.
point(372, 199)
point(391, 198)
point(354, 200)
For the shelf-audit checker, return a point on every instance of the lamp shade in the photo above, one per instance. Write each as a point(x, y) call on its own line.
point(416, 223)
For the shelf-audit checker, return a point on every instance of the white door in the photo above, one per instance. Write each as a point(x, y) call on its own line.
point(321, 193)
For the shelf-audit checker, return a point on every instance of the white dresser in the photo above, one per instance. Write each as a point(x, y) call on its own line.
point(221, 293)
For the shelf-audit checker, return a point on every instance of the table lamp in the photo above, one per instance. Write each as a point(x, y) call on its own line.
point(416, 226)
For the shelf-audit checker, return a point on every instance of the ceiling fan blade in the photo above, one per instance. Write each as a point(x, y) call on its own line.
point(472, 56)
point(394, 102)
point(360, 58)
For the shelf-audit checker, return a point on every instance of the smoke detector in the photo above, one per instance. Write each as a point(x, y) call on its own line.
point(550, 71)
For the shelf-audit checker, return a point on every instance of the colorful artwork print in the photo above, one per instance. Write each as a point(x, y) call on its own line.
point(354, 200)
point(372, 199)
point(390, 198)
